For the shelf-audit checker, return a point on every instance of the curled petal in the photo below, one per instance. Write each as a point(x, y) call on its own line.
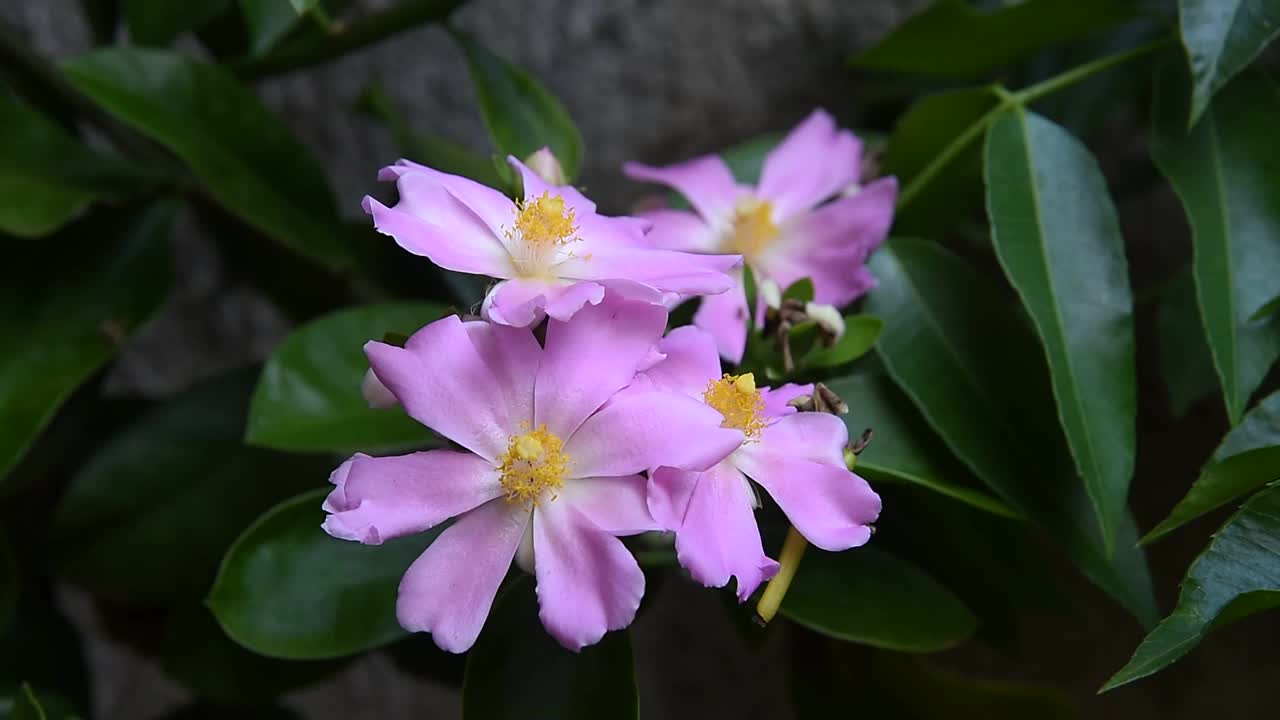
point(375, 393)
point(449, 589)
point(689, 363)
point(616, 505)
point(664, 270)
point(706, 182)
point(492, 207)
point(461, 242)
point(379, 498)
point(523, 302)
point(812, 163)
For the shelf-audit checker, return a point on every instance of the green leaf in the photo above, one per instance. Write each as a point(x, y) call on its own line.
point(1247, 459)
point(1221, 38)
point(954, 344)
point(860, 335)
point(1056, 234)
point(903, 449)
point(287, 590)
point(516, 670)
point(954, 191)
point(270, 20)
point(42, 648)
point(308, 398)
point(1267, 310)
point(198, 654)
point(64, 307)
point(801, 290)
point(1185, 360)
point(522, 117)
point(247, 159)
point(952, 39)
point(158, 22)
point(1237, 575)
point(1226, 171)
point(26, 706)
point(8, 582)
point(148, 517)
point(870, 597)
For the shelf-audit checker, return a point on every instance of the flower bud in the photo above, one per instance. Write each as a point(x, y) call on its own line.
point(545, 164)
point(771, 294)
point(827, 318)
point(375, 393)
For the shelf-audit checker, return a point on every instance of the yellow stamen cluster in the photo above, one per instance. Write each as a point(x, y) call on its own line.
point(543, 221)
point(534, 463)
point(753, 226)
point(737, 399)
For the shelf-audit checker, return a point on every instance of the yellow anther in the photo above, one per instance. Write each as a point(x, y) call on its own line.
point(753, 226)
point(543, 221)
point(739, 401)
point(535, 463)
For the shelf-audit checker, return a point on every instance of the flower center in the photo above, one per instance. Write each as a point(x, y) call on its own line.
point(543, 226)
point(534, 463)
point(737, 399)
point(753, 226)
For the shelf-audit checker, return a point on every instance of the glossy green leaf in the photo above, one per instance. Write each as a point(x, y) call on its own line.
point(309, 399)
point(148, 518)
point(198, 654)
point(1221, 38)
point(952, 39)
point(1057, 236)
point(1267, 310)
point(860, 335)
point(930, 125)
point(45, 173)
point(954, 344)
point(1247, 459)
point(903, 448)
point(247, 159)
point(1236, 576)
point(872, 598)
point(158, 22)
point(522, 117)
point(1226, 171)
point(267, 21)
point(801, 290)
point(63, 313)
point(1185, 361)
point(516, 670)
point(287, 590)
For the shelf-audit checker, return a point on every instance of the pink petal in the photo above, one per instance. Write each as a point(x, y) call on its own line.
point(832, 243)
point(706, 182)
point(776, 399)
point(815, 436)
point(615, 505)
point(590, 357)
point(523, 302)
point(535, 186)
point(450, 587)
point(588, 583)
point(717, 536)
point(461, 242)
point(812, 163)
point(444, 383)
point(665, 270)
point(724, 317)
point(830, 506)
point(691, 363)
point(491, 206)
point(379, 498)
point(681, 230)
point(513, 354)
point(636, 431)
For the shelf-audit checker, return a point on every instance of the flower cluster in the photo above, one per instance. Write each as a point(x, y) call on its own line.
point(608, 426)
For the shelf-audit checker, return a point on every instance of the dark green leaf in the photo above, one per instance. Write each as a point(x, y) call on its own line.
point(801, 290)
point(1057, 236)
point(309, 399)
point(954, 344)
point(869, 597)
point(269, 20)
point(1221, 38)
point(157, 22)
point(1237, 575)
point(522, 117)
point(198, 654)
point(516, 670)
point(288, 590)
point(8, 582)
point(1185, 360)
point(210, 711)
point(860, 335)
point(1226, 171)
point(906, 686)
point(903, 448)
point(244, 155)
point(42, 648)
point(63, 314)
point(148, 518)
point(1267, 310)
point(26, 706)
point(1247, 459)
point(952, 39)
point(929, 126)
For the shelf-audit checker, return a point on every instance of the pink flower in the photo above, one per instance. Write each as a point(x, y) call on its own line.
point(551, 250)
point(798, 458)
point(548, 474)
point(783, 227)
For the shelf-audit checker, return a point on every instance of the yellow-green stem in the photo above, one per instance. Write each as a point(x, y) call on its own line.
point(789, 561)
